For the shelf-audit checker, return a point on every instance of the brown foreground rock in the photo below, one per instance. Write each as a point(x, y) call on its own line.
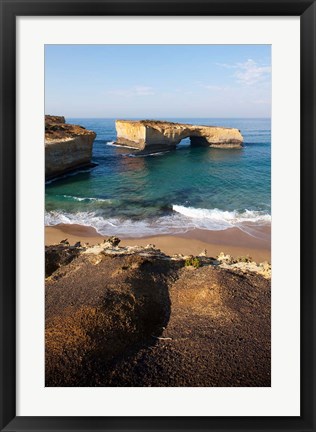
point(136, 317)
point(67, 146)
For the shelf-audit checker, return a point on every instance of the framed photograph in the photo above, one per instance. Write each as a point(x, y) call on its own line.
point(157, 215)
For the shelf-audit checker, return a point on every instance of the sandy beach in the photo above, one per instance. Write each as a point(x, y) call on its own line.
point(232, 241)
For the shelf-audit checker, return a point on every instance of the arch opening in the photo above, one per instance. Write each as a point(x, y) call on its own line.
point(199, 140)
point(185, 142)
point(192, 140)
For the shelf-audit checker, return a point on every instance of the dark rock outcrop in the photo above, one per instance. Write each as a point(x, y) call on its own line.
point(135, 317)
point(99, 308)
point(67, 147)
point(57, 256)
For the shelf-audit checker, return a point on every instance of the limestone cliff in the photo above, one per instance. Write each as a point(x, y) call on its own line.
point(67, 147)
point(152, 135)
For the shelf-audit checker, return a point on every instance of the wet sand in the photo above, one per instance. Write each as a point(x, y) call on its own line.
point(232, 241)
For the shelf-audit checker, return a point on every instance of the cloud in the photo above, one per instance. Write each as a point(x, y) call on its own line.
point(133, 91)
point(143, 91)
point(262, 101)
point(249, 72)
point(226, 65)
point(216, 87)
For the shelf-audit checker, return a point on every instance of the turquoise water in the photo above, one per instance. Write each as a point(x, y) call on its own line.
point(191, 187)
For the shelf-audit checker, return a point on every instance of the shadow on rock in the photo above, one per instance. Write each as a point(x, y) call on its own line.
point(100, 309)
point(218, 335)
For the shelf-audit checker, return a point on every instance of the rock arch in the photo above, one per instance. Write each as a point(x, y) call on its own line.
point(153, 135)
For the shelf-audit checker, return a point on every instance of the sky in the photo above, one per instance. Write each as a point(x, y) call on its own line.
point(158, 81)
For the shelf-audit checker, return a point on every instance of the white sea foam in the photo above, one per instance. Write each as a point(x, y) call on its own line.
point(75, 198)
point(147, 154)
point(118, 226)
point(216, 220)
point(114, 144)
point(182, 220)
point(221, 217)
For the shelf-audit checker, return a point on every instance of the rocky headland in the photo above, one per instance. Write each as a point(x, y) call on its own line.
point(67, 147)
point(134, 316)
point(154, 136)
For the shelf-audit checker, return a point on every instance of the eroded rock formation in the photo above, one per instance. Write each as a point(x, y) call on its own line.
point(67, 146)
point(152, 135)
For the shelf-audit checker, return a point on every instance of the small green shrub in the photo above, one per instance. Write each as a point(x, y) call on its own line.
point(195, 262)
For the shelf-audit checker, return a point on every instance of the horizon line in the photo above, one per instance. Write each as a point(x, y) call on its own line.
point(158, 117)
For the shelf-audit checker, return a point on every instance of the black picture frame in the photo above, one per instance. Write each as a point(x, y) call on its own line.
point(10, 9)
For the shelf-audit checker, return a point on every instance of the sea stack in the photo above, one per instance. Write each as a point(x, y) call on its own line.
point(67, 147)
point(153, 135)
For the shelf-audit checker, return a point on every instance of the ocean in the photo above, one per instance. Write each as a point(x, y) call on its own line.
point(171, 192)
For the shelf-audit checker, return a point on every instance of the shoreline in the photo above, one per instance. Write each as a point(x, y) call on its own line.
point(231, 241)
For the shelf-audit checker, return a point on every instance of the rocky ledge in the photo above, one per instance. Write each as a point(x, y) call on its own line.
point(154, 136)
point(67, 147)
point(134, 316)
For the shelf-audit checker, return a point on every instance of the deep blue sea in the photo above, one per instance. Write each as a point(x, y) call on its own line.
point(172, 192)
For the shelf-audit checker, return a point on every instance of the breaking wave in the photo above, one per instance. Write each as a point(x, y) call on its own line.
point(223, 217)
point(182, 219)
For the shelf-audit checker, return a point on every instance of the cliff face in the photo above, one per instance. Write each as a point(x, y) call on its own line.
point(157, 135)
point(67, 147)
point(131, 134)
